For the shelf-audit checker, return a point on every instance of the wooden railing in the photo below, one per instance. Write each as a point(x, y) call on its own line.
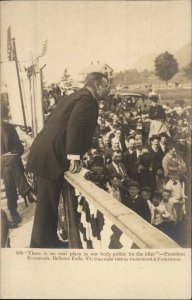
point(97, 220)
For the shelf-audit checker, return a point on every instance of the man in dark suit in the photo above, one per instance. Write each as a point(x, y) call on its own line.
point(117, 189)
point(119, 138)
point(143, 174)
point(163, 144)
point(156, 160)
point(136, 202)
point(117, 167)
point(60, 145)
point(130, 156)
point(12, 167)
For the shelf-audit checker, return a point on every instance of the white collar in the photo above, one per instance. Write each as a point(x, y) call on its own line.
point(91, 92)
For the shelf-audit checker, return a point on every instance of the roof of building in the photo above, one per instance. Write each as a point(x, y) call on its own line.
point(95, 68)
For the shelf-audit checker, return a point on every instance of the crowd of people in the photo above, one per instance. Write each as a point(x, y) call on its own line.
point(141, 156)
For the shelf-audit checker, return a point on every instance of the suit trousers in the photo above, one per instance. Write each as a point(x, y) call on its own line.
point(14, 178)
point(44, 233)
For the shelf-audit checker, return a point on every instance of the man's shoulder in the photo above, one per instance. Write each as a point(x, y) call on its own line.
point(81, 93)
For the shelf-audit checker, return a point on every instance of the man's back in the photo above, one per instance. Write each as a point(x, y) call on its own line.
point(68, 130)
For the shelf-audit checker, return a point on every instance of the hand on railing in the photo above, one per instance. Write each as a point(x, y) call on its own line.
point(75, 166)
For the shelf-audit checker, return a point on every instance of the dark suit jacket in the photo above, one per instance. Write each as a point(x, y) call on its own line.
point(161, 151)
point(140, 207)
point(111, 170)
point(129, 161)
point(10, 141)
point(69, 130)
point(156, 159)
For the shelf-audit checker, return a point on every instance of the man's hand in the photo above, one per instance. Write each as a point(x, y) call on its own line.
point(74, 166)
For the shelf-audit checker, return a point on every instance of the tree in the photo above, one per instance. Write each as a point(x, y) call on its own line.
point(166, 66)
point(188, 71)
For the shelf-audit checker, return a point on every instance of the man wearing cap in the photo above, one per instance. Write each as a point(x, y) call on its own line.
point(134, 197)
point(136, 202)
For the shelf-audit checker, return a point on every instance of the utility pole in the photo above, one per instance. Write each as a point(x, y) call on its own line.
point(19, 83)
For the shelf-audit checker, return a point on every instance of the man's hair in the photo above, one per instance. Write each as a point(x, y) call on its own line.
point(94, 77)
point(116, 151)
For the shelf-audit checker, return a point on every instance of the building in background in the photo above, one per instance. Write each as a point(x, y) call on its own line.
point(99, 67)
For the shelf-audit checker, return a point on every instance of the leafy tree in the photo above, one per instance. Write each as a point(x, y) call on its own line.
point(166, 66)
point(127, 77)
point(188, 71)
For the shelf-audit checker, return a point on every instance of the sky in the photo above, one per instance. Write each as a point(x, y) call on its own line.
point(114, 32)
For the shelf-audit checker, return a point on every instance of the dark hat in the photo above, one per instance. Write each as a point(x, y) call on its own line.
point(133, 183)
point(146, 189)
point(130, 137)
point(163, 134)
point(154, 137)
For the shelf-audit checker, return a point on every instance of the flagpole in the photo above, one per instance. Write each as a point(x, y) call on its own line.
point(19, 83)
point(42, 97)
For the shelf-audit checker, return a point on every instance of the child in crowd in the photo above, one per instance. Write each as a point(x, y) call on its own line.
point(169, 224)
point(158, 211)
point(177, 192)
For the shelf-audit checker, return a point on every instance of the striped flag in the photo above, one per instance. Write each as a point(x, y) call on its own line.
point(10, 53)
point(44, 49)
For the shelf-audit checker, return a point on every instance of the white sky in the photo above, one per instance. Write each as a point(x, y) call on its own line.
point(114, 32)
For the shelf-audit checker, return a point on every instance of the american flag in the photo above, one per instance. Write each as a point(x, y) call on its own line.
point(44, 49)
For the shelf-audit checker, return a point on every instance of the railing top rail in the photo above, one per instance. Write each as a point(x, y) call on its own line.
point(140, 231)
